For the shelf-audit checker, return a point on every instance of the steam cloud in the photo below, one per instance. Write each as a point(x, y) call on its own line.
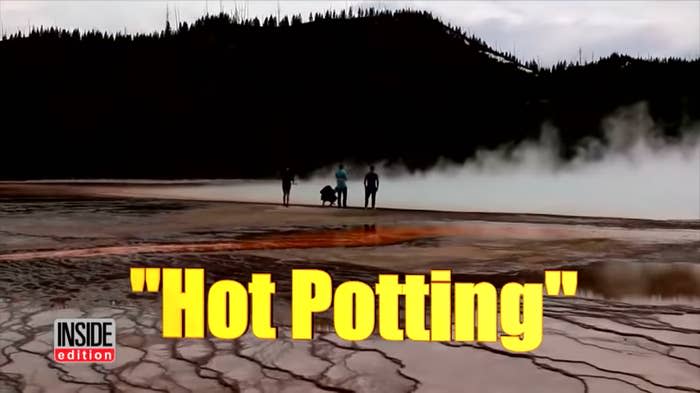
point(632, 172)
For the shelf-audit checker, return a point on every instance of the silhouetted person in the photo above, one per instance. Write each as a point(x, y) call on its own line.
point(341, 177)
point(287, 180)
point(371, 186)
point(328, 195)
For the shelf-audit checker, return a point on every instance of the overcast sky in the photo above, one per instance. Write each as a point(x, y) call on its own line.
point(544, 30)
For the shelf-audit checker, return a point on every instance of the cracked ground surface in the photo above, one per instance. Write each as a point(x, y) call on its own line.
point(634, 325)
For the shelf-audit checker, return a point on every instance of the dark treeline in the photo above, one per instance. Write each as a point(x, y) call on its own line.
point(228, 98)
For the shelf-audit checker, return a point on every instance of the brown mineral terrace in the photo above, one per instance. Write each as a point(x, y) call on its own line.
point(634, 325)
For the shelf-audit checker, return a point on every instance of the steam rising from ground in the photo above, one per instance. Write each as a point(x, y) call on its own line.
point(632, 172)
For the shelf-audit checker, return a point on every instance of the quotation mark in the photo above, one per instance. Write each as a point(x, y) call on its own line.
point(145, 275)
point(567, 280)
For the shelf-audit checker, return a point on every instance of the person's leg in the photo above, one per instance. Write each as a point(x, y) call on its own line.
point(345, 197)
point(374, 197)
point(340, 197)
point(367, 193)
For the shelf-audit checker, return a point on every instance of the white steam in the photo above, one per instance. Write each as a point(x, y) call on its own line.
point(633, 172)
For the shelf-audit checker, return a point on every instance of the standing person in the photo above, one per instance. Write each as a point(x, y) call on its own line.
point(287, 180)
point(371, 186)
point(341, 177)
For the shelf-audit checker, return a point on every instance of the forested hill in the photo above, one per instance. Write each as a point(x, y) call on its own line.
point(228, 98)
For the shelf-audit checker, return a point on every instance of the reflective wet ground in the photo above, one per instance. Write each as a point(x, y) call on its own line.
point(634, 325)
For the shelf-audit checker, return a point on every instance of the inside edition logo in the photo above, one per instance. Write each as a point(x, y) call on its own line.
point(84, 340)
